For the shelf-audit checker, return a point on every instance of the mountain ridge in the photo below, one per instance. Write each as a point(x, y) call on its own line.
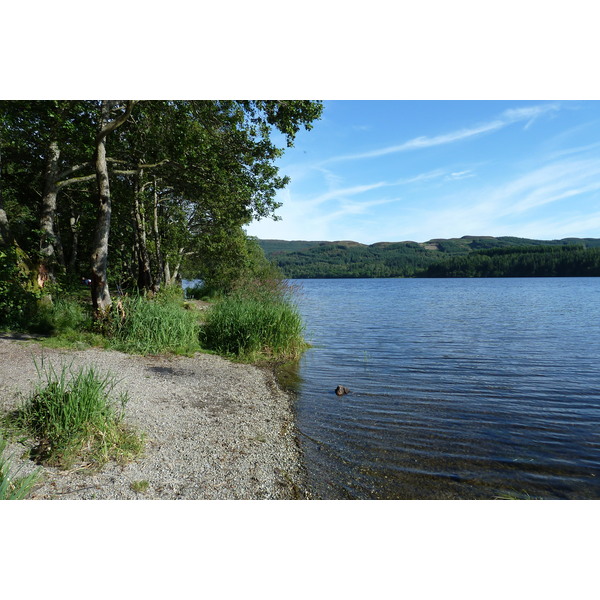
point(347, 258)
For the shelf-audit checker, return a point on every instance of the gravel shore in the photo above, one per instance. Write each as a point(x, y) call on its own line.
point(214, 429)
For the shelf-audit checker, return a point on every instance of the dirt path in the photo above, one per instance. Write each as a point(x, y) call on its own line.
point(215, 429)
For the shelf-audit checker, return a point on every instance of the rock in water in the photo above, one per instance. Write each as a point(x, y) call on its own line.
point(340, 390)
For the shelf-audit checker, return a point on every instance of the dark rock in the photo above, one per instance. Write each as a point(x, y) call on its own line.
point(340, 390)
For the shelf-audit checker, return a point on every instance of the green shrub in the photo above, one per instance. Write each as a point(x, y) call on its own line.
point(71, 414)
point(202, 291)
point(170, 294)
point(150, 326)
point(250, 327)
point(17, 300)
point(63, 316)
point(11, 486)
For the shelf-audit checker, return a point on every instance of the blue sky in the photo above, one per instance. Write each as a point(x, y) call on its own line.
point(392, 170)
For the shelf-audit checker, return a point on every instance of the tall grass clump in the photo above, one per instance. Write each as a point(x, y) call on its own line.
point(258, 321)
point(62, 317)
point(71, 414)
point(155, 325)
point(13, 487)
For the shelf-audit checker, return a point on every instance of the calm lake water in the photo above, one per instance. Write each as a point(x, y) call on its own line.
point(461, 388)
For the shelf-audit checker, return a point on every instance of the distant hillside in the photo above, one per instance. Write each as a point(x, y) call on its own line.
point(304, 259)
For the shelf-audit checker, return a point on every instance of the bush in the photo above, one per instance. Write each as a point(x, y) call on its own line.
point(254, 323)
point(17, 300)
point(150, 326)
point(71, 413)
point(202, 291)
point(63, 316)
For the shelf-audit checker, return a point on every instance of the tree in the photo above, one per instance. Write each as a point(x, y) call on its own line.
point(188, 175)
point(100, 293)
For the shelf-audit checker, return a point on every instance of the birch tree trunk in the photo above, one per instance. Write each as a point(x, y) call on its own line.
point(5, 237)
point(4, 231)
point(156, 232)
point(48, 234)
point(99, 263)
point(144, 269)
point(74, 225)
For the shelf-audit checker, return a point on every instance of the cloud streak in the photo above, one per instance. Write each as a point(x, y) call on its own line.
point(508, 117)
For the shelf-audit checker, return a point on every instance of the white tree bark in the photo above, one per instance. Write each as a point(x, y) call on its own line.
point(99, 264)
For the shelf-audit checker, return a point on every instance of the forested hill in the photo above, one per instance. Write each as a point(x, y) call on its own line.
point(468, 256)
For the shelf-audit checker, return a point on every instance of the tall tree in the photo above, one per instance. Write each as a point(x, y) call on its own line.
point(100, 293)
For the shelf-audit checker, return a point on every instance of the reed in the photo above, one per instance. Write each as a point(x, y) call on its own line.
point(251, 328)
point(154, 325)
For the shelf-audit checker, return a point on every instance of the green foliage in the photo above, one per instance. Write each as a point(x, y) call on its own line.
point(209, 169)
point(71, 414)
point(230, 257)
point(469, 256)
point(143, 325)
point(532, 261)
point(13, 487)
point(17, 299)
point(202, 291)
point(253, 323)
point(64, 316)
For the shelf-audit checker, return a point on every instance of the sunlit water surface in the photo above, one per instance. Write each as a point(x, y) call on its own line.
point(460, 388)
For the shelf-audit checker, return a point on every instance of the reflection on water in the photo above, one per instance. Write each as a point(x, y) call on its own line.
point(461, 388)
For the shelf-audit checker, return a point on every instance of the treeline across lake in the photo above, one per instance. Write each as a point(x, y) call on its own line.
point(540, 261)
point(469, 256)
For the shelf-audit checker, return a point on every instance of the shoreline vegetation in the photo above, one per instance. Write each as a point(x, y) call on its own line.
point(105, 206)
point(66, 435)
point(63, 423)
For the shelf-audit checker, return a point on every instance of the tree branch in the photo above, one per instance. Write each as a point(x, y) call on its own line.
point(139, 165)
point(61, 184)
point(74, 169)
point(112, 125)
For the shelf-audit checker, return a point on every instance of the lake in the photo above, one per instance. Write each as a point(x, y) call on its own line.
point(460, 388)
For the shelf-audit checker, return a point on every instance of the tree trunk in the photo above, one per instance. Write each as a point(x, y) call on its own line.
point(167, 273)
point(48, 235)
point(4, 230)
point(175, 275)
point(74, 225)
point(144, 270)
point(159, 257)
point(5, 237)
point(99, 264)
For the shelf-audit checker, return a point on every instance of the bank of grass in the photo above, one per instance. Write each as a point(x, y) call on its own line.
point(255, 323)
point(137, 324)
point(66, 322)
point(157, 325)
point(72, 416)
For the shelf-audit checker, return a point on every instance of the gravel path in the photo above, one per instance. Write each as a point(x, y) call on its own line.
point(214, 429)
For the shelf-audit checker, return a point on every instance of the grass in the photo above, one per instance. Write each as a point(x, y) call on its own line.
point(72, 416)
point(514, 495)
point(153, 326)
point(139, 486)
point(11, 486)
point(253, 328)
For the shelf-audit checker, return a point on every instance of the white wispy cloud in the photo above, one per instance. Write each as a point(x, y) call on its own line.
point(514, 207)
point(460, 175)
point(508, 117)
